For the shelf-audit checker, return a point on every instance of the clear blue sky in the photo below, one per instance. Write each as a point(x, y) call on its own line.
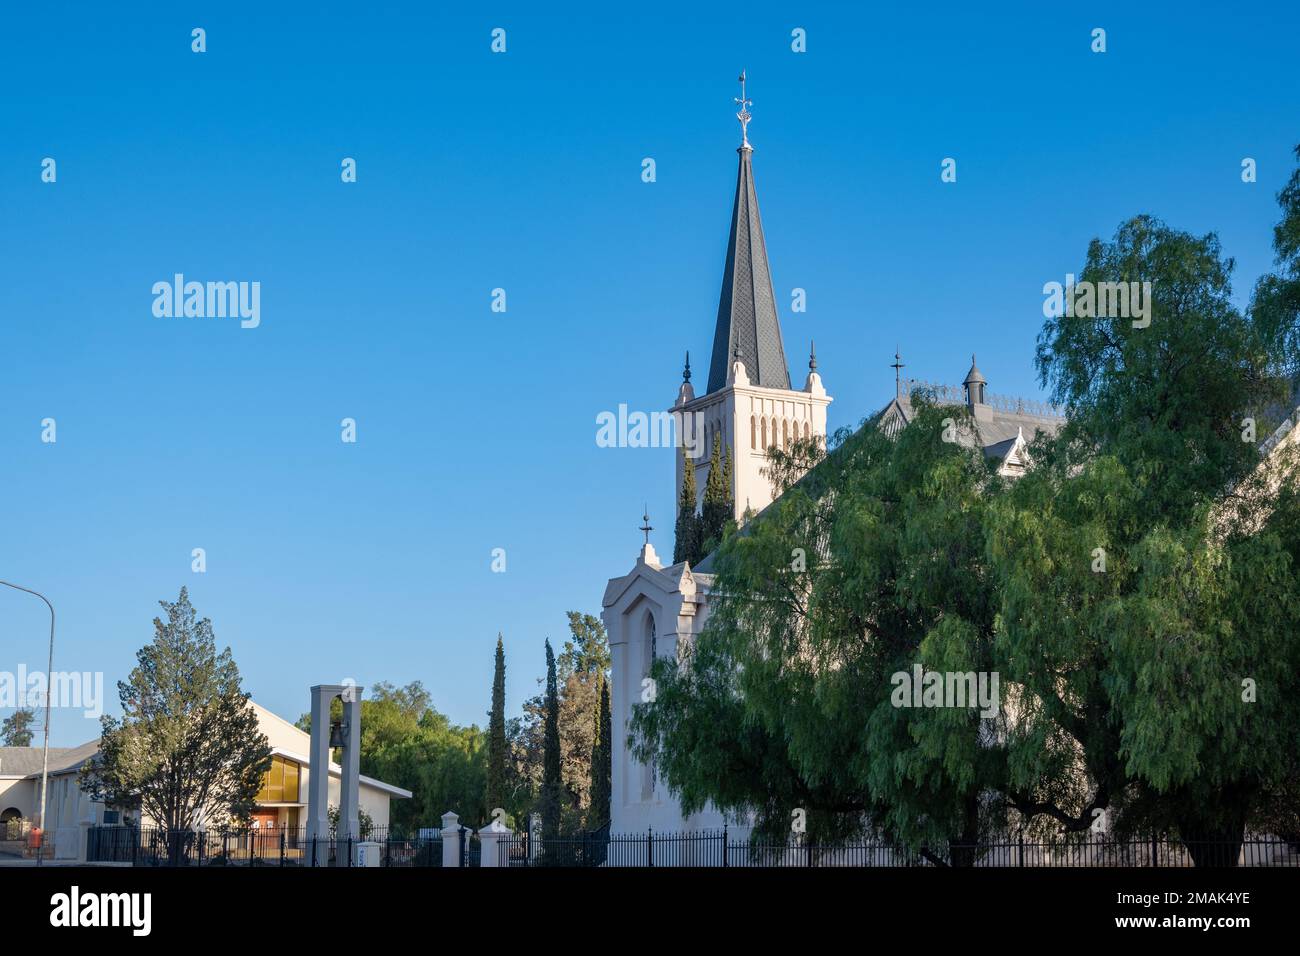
point(476, 430)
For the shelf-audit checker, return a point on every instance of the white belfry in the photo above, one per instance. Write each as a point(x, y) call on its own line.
point(324, 736)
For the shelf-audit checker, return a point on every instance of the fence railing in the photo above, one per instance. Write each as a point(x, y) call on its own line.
point(290, 846)
point(471, 848)
point(719, 849)
point(254, 846)
point(941, 394)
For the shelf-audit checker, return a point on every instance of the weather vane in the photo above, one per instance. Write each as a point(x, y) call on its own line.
point(744, 115)
point(646, 527)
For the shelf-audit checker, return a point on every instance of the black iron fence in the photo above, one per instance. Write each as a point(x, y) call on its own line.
point(290, 846)
point(471, 849)
point(720, 849)
point(258, 846)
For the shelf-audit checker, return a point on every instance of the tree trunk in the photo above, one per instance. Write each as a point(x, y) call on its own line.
point(1213, 830)
point(964, 852)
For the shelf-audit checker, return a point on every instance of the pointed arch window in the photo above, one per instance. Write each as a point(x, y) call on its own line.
point(651, 651)
point(753, 433)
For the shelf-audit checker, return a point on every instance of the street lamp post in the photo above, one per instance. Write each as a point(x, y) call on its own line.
point(49, 676)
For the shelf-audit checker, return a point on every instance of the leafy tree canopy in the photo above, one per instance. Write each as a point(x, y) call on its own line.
point(187, 748)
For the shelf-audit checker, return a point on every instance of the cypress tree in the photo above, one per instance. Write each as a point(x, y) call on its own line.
point(552, 782)
point(687, 544)
point(728, 482)
point(716, 508)
point(602, 764)
point(497, 744)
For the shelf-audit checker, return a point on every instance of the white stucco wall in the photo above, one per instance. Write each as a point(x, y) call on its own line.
point(668, 602)
point(21, 794)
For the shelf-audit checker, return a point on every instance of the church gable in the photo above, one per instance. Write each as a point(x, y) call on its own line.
point(894, 418)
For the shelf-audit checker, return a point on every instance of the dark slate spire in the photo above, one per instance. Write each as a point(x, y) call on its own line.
point(747, 309)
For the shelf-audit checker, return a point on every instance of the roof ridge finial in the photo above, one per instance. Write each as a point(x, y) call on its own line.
point(898, 374)
point(686, 372)
point(812, 355)
point(744, 115)
point(645, 528)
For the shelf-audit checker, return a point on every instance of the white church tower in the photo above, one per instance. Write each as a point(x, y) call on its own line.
point(749, 404)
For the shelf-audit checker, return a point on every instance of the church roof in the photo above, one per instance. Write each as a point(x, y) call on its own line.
point(996, 430)
point(747, 321)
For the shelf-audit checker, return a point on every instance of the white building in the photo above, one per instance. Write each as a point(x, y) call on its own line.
point(70, 812)
point(749, 403)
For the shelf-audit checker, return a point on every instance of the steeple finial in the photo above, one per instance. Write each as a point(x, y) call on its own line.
point(744, 114)
point(898, 374)
point(645, 528)
point(686, 372)
point(812, 355)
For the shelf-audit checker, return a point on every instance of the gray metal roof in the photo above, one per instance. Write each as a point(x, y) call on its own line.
point(747, 308)
point(995, 433)
point(27, 760)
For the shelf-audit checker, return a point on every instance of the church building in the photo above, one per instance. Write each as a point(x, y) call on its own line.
point(749, 404)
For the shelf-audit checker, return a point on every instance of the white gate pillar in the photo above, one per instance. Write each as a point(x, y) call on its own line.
point(450, 840)
point(494, 841)
point(349, 785)
point(318, 774)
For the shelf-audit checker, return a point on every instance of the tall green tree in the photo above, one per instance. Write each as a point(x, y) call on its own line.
point(586, 651)
point(1135, 594)
point(16, 731)
point(728, 482)
point(187, 748)
point(717, 508)
point(550, 802)
point(686, 542)
point(1133, 684)
point(869, 565)
point(497, 743)
point(580, 666)
point(598, 814)
point(1275, 305)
